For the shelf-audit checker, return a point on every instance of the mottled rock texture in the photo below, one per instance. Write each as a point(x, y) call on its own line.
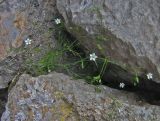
point(19, 20)
point(126, 31)
point(57, 97)
point(22, 19)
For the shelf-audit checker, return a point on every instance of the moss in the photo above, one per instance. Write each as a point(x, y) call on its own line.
point(114, 106)
point(101, 38)
point(47, 34)
point(66, 110)
point(59, 94)
point(37, 50)
point(63, 111)
point(36, 25)
point(98, 89)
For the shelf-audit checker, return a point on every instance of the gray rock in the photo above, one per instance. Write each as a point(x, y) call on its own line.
point(20, 20)
point(9, 69)
point(57, 97)
point(24, 19)
point(125, 31)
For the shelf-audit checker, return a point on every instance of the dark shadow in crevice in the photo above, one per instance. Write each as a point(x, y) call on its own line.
point(146, 89)
point(114, 74)
point(3, 100)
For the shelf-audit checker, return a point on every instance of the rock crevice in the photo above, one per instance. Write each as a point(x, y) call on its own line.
point(135, 24)
point(57, 97)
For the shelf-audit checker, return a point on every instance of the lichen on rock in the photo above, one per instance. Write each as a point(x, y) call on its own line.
point(58, 97)
point(127, 30)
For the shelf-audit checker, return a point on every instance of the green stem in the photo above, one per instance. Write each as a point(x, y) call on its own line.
point(103, 67)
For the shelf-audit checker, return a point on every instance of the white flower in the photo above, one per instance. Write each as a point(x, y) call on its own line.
point(28, 41)
point(93, 57)
point(49, 70)
point(121, 85)
point(57, 21)
point(150, 76)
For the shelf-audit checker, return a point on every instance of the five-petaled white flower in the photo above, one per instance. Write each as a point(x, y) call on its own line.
point(121, 85)
point(28, 41)
point(49, 70)
point(93, 57)
point(57, 21)
point(150, 76)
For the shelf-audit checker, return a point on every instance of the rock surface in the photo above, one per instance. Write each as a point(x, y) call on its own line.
point(20, 20)
point(10, 67)
point(126, 31)
point(57, 97)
